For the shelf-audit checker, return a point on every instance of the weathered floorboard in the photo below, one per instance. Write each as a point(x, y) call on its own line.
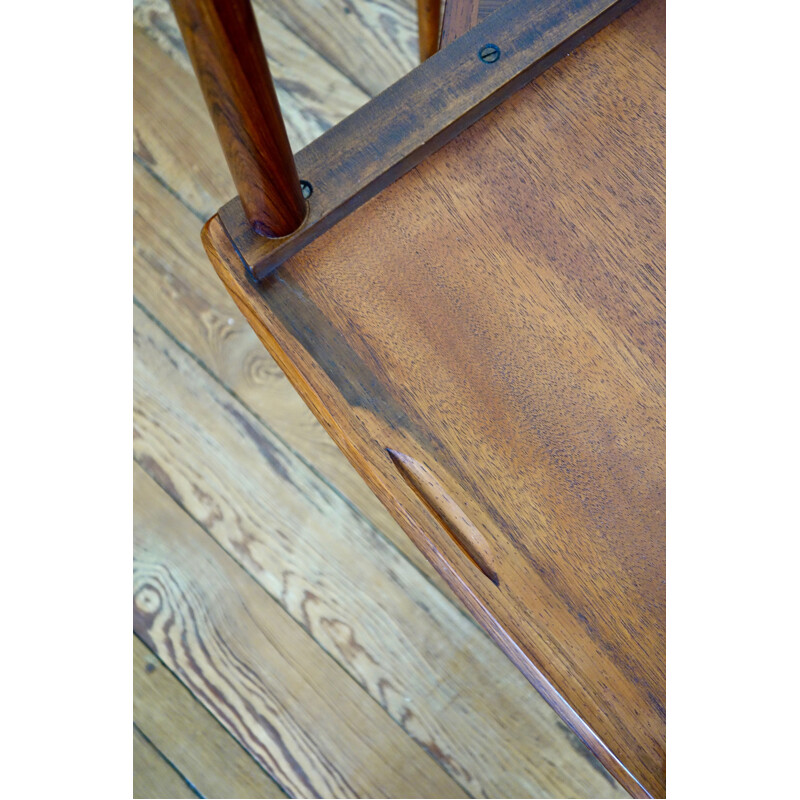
point(288, 703)
point(153, 776)
point(425, 662)
point(172, 134)
point(373, 42)
point(190, 738)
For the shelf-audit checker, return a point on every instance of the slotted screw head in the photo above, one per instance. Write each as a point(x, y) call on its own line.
point(489, 53)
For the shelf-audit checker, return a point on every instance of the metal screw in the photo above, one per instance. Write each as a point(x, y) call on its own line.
point(307, 189)
point(489, 53)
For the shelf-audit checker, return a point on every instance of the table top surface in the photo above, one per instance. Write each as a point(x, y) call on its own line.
point(484, 340)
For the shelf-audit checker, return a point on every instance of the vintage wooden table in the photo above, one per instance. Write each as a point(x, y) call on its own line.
point(468, 291)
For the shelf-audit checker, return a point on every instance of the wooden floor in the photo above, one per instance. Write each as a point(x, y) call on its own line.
point(288, 638)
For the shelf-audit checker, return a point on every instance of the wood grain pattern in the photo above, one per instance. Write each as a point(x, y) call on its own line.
point(153, 776)
point(512, 339)
point(172, 133)
point(428, 12)
point(190, 738)
point(420, 113)
point(372, 42)
point(222, 39)
point(286, 702)
point(422, 660)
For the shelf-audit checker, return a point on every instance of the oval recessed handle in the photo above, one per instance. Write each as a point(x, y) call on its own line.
point(450, 516)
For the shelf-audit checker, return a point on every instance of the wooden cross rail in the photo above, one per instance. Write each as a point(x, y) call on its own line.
point(395, 131)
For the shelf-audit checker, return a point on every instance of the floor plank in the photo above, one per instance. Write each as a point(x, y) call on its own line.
point(373, 42)
point(170, 134)
point(189, 737)
point(153, 776)
point(426, 663)
point(288, 703)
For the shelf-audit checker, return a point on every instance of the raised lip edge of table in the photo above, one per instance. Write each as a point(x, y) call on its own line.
point(392, 133)
point(341, 186)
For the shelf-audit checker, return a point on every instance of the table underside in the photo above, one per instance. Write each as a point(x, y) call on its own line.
point(484, 340)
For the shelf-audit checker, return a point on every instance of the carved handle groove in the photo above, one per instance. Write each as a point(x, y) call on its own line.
point(450, 516)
